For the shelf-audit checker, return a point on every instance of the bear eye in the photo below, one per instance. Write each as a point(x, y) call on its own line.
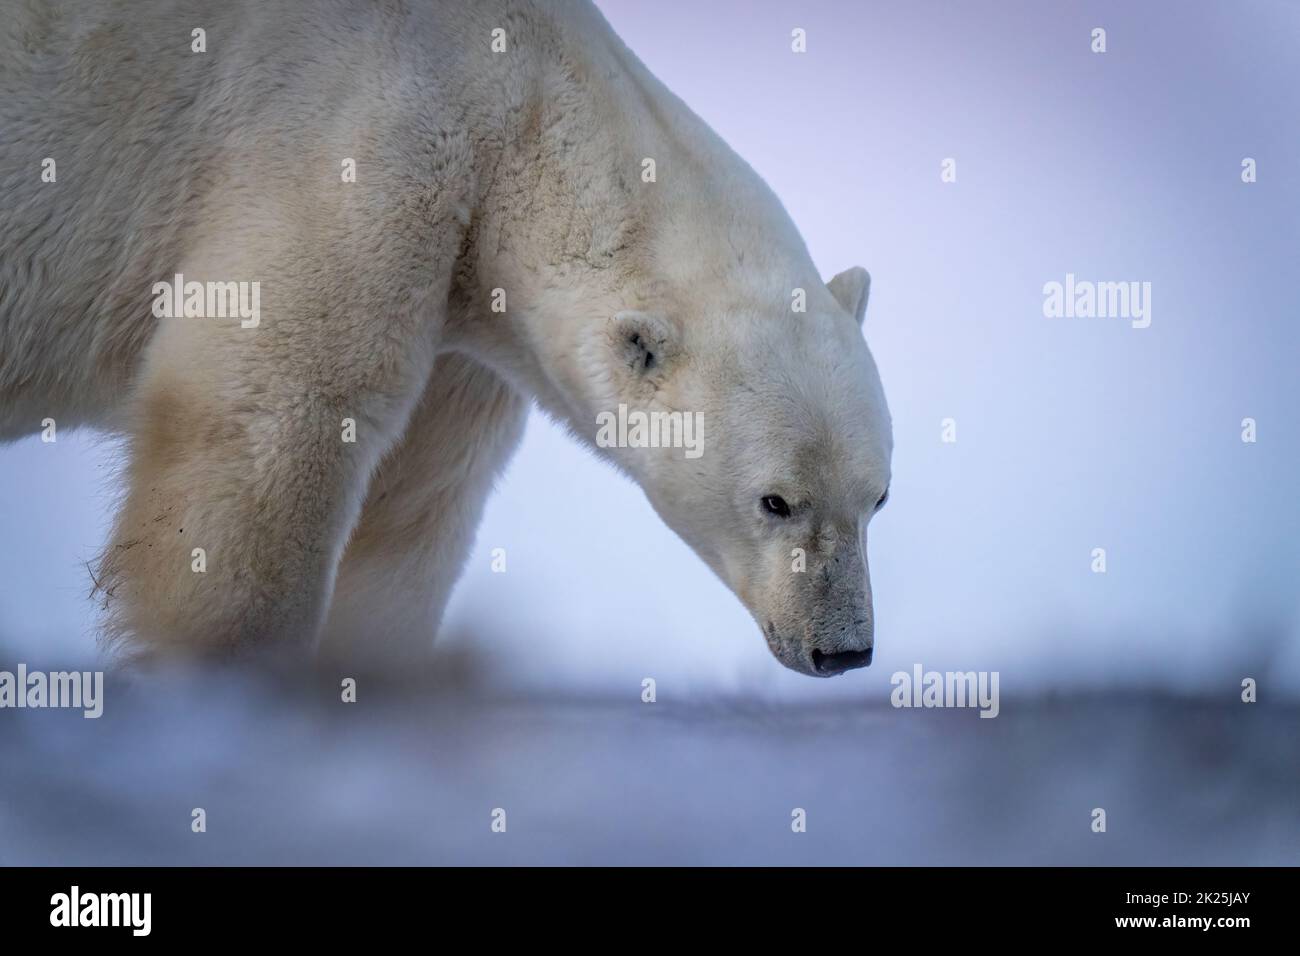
point(881, 503)
point(775, 504)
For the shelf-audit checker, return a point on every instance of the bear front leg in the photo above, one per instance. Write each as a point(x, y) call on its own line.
point(418, 523)
point(250, 453)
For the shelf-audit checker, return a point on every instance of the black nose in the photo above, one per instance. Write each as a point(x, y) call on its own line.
point(829, 664)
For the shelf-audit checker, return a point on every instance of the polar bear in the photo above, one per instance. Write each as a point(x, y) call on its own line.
point(443, 212)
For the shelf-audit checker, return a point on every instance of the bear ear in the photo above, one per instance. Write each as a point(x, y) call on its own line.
point(851, 288)
point(643, 341)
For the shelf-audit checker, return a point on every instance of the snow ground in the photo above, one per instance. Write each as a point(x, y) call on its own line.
point(411, 773)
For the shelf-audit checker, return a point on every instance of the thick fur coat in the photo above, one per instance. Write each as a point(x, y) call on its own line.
point(317, 474)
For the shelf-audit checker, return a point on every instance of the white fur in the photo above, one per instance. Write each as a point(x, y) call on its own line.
point(475, 171)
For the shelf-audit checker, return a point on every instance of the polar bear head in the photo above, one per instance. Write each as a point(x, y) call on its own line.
point(782, 450)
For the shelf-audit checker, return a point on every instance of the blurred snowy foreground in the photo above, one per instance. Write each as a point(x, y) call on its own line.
point(416, 773)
